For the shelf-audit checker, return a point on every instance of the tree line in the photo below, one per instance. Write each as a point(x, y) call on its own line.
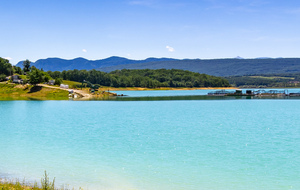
point(143, 78)
point(266, 80)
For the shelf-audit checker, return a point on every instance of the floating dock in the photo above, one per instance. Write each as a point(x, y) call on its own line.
point(261, 93)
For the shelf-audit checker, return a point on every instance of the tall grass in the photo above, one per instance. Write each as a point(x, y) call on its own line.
point(46, 184)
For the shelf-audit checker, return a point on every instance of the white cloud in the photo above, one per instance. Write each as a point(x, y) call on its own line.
point(8, 58)
point(170, 49)
point(84, 50)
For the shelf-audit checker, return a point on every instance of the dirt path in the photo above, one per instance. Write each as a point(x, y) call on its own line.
point(81, 93)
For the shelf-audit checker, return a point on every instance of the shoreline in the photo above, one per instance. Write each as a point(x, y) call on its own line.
point(11, 91)
point(162, 88)
point(200, 88)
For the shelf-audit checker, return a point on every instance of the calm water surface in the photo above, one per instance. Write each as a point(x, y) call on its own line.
point(153, 145)
point(155, 93)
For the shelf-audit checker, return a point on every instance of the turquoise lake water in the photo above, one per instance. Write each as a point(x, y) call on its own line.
point(154, 145)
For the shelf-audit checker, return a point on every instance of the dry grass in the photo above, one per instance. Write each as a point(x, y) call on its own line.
point(10, 185)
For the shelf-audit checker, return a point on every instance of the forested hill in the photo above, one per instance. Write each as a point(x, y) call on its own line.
point(216, 67)
point(143, 78)
point(57, 64)
point(221, 67)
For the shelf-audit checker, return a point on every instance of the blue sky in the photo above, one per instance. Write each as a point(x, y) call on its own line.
point(138, 29)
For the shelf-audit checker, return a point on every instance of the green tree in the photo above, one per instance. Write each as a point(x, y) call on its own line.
point(36, 76)
point(58, 81)
point(26, 65)
point(2, 77)
point(5, 67)
point(17, 70)
point(46, 76)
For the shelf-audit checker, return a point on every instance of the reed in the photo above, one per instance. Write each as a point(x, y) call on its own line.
point(46, 184)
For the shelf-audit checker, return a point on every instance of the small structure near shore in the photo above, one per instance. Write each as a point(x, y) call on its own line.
point(51, 82)
point(220, 93)
point(65, 86)
point(17, 79)
point(271, 93)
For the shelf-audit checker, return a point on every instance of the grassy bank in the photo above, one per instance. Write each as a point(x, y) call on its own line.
point(72, 84)
point(12, 91)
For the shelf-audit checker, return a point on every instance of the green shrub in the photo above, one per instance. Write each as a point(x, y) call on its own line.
point(58, 81)
point(2, 77)
point(46, 184)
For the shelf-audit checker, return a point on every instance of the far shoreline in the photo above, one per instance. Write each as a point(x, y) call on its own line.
point(163, 88)
point(182, 88)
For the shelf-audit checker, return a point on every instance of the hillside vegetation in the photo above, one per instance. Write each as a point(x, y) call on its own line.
point(143, 78)
point(266, 80)
point(215, 67)
point(222, 67)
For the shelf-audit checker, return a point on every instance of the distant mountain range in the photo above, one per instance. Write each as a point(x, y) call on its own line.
point(217, 67)
point(57, 64)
